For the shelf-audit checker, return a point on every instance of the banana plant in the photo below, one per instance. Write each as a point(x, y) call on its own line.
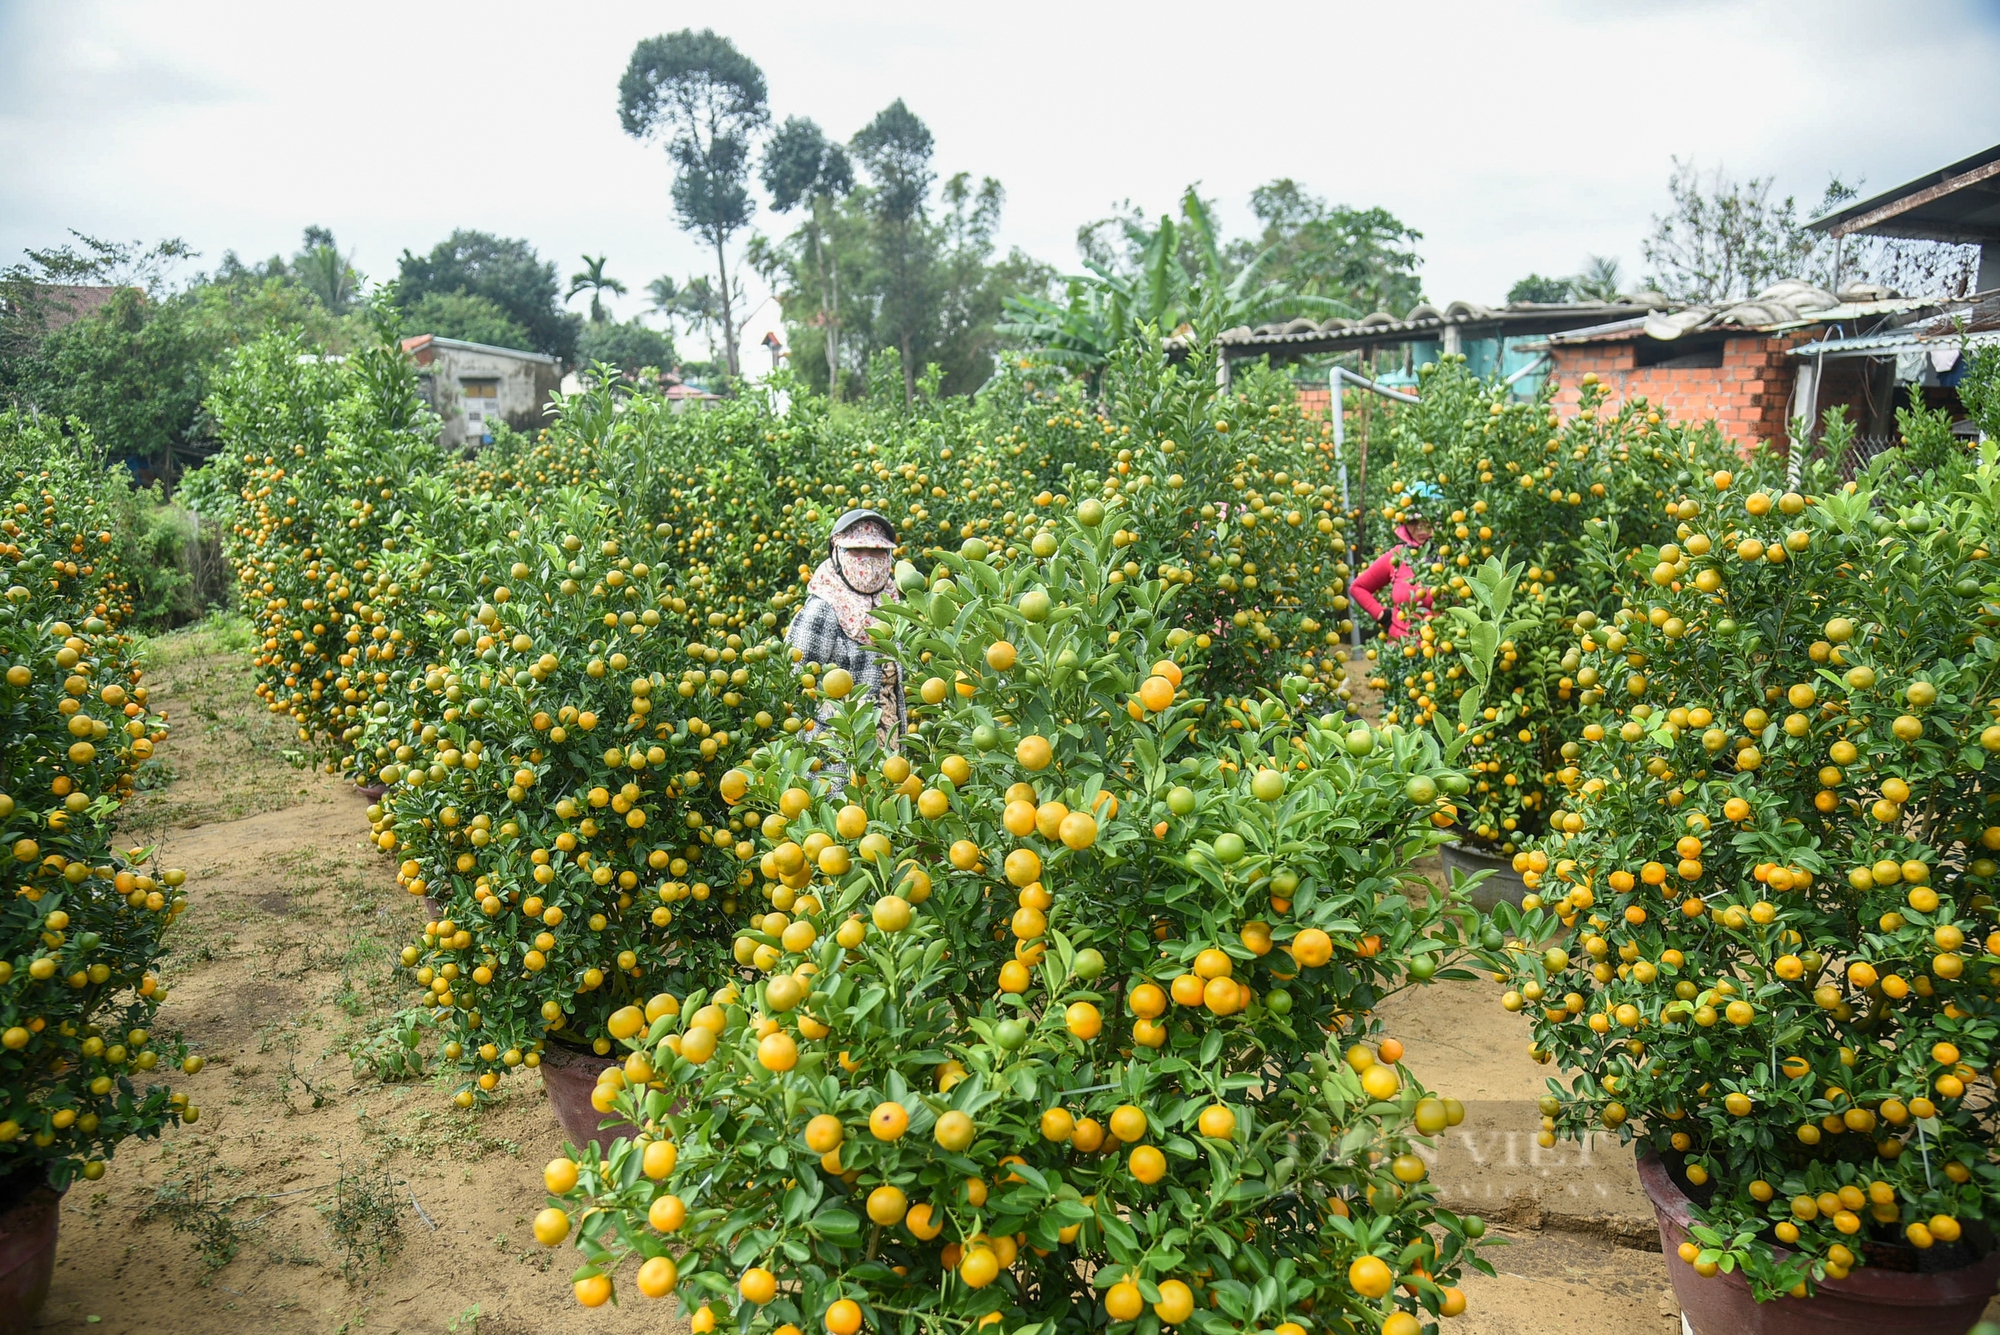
point(1164, 291)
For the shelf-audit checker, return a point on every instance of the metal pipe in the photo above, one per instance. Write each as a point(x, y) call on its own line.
point(1526, 370)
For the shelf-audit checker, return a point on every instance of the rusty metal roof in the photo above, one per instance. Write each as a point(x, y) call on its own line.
point(1959, 203)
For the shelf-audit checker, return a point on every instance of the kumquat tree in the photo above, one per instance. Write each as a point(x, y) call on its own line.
point(1059, 1016)
point(82, 1059)
point(551, 772)
point(1763, 940)
point(1515, 478)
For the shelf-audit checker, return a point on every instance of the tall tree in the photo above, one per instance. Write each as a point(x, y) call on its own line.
point(801, 165)
point(1723, 240)
point(895, 150)
point(707, 100)
point(593, 281)
point(971, 287)
point(507, 273)
point(1364, 258)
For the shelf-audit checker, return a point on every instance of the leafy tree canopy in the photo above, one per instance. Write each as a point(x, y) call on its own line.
point(1363, 258)
point(631, 346)
point(464, 316)
point(895, 149)
point(1170, 273)
point(134, 370)
point(801, 164)
point(506, 273)
point(1537, 288)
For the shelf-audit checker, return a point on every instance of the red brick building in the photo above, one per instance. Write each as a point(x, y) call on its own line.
point(1744, 382)
point(1734, 363)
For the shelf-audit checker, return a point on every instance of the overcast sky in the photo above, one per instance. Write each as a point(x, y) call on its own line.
point(1516, 137)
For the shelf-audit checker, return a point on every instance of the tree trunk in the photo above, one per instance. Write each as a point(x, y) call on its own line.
point(833, 332)
point(830, 301)
point(728, 316)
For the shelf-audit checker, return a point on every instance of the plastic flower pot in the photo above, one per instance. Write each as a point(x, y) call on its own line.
point(570, 1075)
point(27, 1246)
point(1504, 883)
point(1872, 1299)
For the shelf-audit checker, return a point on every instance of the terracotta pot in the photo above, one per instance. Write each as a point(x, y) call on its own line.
point(27, 1252)
point(570, 1075)
point(1869, 1301)
point(1504, 883)
point(372, 791)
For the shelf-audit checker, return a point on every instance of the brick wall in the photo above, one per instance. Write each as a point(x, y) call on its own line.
point(1748, 396)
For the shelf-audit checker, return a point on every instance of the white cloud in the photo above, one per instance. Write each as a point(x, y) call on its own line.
point(1516, 137)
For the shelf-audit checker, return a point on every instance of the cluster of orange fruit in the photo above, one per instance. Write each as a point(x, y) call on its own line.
point(1770, 872)
point(81, 931)
point(923, 1012)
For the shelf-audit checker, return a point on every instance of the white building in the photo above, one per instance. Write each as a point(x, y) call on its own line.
point(473, 385)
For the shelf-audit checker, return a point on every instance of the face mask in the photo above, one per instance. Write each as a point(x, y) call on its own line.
point(867, 569)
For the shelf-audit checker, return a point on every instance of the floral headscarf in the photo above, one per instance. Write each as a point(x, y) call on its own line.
point(857, 574)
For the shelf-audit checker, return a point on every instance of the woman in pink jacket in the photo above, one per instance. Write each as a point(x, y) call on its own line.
point(1393, 568)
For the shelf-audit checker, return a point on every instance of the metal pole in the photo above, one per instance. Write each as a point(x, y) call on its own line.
point(1334, 377)
point(1339, 437)
point(1339, 414)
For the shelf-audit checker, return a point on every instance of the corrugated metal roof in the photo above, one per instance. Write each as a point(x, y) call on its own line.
point(1972, 324)
point(1895, 341)
point(1423, 319)
point(1792, 304)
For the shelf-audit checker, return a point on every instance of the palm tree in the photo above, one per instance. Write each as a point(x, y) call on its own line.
point(1600, 279)
point(325, 272)
point(692, 305)
point(593, 281)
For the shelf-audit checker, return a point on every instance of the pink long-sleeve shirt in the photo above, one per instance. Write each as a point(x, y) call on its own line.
point(1401, 578)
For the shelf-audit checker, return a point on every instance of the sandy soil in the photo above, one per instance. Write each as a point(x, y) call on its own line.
point(314, 1197)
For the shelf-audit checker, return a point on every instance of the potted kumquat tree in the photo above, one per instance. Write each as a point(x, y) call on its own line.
point(1765, 912)
point(82, 1060)
point(1060, 1014)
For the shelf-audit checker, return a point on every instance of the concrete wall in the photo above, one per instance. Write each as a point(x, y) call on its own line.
point(453, 376)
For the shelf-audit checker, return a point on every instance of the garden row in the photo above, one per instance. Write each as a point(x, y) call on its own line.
point(83, 1063)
